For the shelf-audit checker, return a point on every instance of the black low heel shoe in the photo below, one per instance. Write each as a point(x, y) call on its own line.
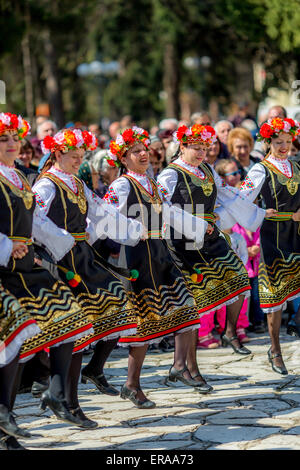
point(279, 369)
point(202, 387)
point(39, 387)
point(59, 408)
point(131, 395)
point(82, 420)
point(9, 442)
point(175, 375)
point(9, 426)
point(228, 342)
point(100, 381)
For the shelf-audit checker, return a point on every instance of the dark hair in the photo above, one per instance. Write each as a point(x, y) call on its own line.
point(27, 145)
point(154, 153)
point(164, 133)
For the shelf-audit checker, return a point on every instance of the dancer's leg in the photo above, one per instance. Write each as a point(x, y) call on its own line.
point(182, 345)
point(135, 363)
point(8, 375)
point(274, 324)
point(60, 361)
point(232, 315)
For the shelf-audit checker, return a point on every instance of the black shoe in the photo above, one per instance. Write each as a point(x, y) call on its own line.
point(39, 387)
point(131, 395)
point(83, 421)
point(8, 424)
point(9, 442)
point(228, 342)
point(175, 374)
point(21, 432)
point(203, 387)
point(100, 382)
point(59, 408)
point(293, 329)
point(279, 369)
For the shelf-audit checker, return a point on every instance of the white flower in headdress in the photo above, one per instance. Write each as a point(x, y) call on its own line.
point(119, 140)
point(5, 119)
point(138, 130)
point(205, 135)
point(286, 126)
point(44, 150)
point(59, 138)
point(79, 138)
point(20, 122)
point(189, 131)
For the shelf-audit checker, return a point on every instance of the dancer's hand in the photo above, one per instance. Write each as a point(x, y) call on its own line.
point(144, 235)
point(19, 250)
point(296, 216)
point(270, 213)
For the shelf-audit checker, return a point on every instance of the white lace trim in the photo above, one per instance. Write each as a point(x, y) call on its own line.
point(10, 351)
point(281, 306)
point(246, 294)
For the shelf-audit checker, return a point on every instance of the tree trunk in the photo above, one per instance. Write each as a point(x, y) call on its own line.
point(171, 81)
point(28, 78)
point(53, 85)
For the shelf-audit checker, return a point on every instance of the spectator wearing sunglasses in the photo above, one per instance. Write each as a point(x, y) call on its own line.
point(229, 170)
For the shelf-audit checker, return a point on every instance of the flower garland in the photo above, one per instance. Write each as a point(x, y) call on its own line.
point(67, 140)
point(195, 134)
point(124, 142)
point(9, 122)
point(273, 127)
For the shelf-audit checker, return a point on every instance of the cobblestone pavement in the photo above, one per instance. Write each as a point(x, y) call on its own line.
point(251, 407)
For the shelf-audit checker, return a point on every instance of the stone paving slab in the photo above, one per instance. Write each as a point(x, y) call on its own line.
point(251, 407)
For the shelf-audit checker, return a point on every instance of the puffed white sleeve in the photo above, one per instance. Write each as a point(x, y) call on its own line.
point(193, 228)
point(57, 240)
point(107, 218)
point(6, 246)
point(167, 181)
point(239, 207)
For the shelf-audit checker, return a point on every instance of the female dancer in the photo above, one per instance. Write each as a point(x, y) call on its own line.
point(71, 206)
point(48, 302)
point(277, 181)
point(160, 295)
point(215, 274)
point(16, 325)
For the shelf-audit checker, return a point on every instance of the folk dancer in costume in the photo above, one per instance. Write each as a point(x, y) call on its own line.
point(74, 209)
point(48, 302)
point(277, 181)
point(165, 305)
point(215, 274)
point(16, 325)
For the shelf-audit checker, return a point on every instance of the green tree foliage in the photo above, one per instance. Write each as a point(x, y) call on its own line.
point(150, 39)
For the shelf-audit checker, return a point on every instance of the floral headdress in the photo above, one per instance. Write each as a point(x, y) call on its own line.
point(273, 127)
point(9, 122)
point(69, 140)
point(124, 142)
point(195, 134)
